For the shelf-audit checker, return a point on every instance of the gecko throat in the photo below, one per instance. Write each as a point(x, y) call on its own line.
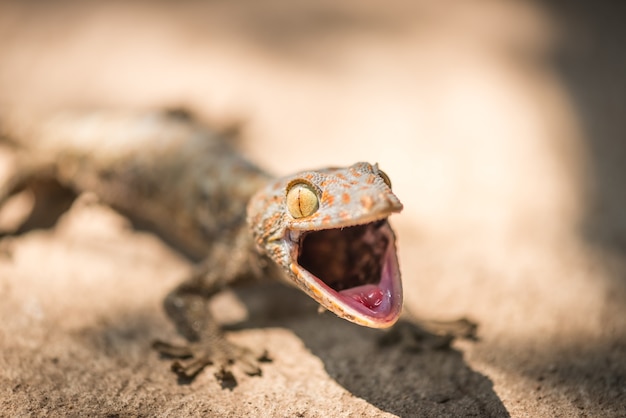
point(358, 263)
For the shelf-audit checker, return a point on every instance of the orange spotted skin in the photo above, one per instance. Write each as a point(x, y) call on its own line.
point(348, 196)
point(368, 200)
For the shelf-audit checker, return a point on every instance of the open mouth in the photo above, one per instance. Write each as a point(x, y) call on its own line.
point(357, 268)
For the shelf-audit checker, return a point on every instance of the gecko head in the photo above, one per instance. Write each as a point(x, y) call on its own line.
point(328, 231)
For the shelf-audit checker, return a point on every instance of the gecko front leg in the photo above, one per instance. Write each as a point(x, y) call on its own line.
point(188, 306)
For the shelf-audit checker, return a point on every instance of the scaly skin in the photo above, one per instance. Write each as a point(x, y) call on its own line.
point(351, 196)
point(189, 185)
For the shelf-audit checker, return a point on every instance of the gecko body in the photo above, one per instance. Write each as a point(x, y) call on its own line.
point(324, 231)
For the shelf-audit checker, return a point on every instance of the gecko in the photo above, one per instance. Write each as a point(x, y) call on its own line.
point(325, 231)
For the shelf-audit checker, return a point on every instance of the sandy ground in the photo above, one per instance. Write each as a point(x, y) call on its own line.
point(500, 123)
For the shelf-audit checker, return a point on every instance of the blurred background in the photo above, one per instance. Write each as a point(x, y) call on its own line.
point(489, 115)
point(500, 123)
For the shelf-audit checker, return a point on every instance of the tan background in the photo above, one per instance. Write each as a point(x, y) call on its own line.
point(500, 123)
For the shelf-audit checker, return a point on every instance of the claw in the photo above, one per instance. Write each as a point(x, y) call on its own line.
point(249, 368)
point(226, 378)
point(171, 350)
point(190, 369)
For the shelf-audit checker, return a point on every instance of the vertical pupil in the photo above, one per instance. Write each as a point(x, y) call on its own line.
point(300, 198)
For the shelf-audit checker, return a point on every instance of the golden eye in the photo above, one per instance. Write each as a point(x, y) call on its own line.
point(302, 200)
point(385, 177)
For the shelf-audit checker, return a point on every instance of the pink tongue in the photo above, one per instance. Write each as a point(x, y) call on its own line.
point(368, 295)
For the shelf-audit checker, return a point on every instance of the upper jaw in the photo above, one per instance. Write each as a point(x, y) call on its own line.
point(359, 215)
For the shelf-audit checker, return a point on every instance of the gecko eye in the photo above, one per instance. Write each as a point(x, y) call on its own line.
point(302, 200)
point(385, 177)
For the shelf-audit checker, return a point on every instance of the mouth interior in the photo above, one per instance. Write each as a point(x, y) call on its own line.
point(354, 262)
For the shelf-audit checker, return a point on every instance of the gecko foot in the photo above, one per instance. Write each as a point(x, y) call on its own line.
point(193, 358)
point(429, 335)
